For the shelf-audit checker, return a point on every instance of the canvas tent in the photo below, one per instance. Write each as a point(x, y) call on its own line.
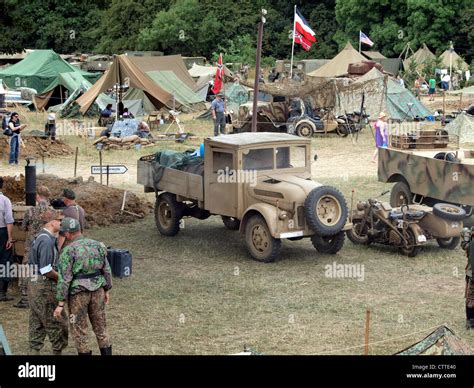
point(41, 70)
point(441, 342)
point(200, 73)
point(422, 55)
point(462, 127)
point(337, 66)
point(168, 81)
point(124, 71)
point(381, 93)
point(172, 63)
point(469, 91)
point(457, 62)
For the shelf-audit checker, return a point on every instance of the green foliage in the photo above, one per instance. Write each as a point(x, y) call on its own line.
point(204, 27)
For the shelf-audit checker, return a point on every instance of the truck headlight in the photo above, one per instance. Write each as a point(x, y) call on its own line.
point(283, 215)
point(466, 234)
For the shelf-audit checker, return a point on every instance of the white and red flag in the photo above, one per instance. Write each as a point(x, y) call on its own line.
point(303, 33)
point(219, 78)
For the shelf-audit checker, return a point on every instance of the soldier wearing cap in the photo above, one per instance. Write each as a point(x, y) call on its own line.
point(85, 280)
point(32, 223)
point(72, 210)
point(43, 259)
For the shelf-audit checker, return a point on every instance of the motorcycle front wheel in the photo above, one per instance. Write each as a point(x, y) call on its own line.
point(358, 233)
point(343, 130)
point(410, 248)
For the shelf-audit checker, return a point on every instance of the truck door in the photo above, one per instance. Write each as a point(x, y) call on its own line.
point(221, 190)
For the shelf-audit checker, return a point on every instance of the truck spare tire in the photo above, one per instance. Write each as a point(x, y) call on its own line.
point(449, 212)
point(325, 210)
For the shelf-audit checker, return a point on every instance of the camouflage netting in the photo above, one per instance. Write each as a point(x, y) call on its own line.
point(37, 146)
point(101, 203)
point(440, 342)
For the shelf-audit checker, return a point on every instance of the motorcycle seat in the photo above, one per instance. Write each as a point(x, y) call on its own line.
point(410, 214)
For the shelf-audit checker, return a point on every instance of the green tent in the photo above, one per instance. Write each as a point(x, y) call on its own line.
point(170, 82)
point(462, 127)
point(402, 104)
point(41, 70)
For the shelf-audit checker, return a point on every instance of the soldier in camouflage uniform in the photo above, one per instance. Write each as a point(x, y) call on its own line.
point(85, 280)
point(467, 245)
point(43, 260)
point(32, 223)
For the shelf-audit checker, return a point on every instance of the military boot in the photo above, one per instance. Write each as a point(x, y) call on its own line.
point(89, 353)
point(106, 351)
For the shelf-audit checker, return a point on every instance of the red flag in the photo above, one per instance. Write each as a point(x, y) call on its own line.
point(219, 78)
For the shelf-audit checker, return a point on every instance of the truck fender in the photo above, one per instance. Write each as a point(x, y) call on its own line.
point(268, 212)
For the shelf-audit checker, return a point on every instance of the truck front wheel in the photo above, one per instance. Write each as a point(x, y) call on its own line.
point(260, 243)
point(168, 214)
point(400, 195)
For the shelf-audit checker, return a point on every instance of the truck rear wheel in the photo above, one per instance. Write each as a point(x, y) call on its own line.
point(231, 222)
point(325, 210)
point(260, 243)
point(400, 195)
point(168, 214)
point(328, 244)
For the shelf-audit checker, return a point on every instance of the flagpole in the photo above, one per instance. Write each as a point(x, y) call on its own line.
point(359, 41)
point(293, 44)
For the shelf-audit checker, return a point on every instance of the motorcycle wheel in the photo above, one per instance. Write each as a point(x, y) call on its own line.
point(410, 250)
point(304, 130)
point(358, 236)
point(342, 130)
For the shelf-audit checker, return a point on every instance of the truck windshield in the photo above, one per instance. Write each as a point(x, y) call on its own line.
point(285, 157)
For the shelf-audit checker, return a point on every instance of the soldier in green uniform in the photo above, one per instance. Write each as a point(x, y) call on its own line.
point(43, 259)
point(467, 245)
point(85, 280)
point(32, 223)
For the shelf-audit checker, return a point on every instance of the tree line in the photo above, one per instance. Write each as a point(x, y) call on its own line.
point(208, 27)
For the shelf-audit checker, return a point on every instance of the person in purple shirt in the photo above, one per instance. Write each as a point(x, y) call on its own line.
point(6, 241)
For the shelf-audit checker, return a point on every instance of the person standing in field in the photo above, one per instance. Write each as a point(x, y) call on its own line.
point(381, 136)
point(432, 89)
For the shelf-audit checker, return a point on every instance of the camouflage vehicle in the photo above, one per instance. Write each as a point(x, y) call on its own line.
point(260, 184)
point(298, 119)
point(426, 170)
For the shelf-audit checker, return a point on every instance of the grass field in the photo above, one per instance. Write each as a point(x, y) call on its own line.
point(200, 293)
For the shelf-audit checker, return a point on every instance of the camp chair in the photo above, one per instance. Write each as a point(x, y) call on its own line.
point(153, 119)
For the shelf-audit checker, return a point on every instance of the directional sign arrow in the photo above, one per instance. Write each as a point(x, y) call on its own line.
point(112, 169)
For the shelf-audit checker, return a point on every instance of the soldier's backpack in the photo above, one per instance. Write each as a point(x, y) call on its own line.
point(5, 128)
point(120, 261)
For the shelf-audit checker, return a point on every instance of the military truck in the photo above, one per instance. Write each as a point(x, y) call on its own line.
point(427, 169)
point(260, 184)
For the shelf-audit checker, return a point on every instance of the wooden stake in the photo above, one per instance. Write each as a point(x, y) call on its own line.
point(367, 328)
point(42, 159)
point(100, 165)
point(75, 162)
point(107, 175)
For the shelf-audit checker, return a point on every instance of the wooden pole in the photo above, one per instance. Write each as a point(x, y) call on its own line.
point(42, 159)
point(100, 165)
point(75, 162)
point(367, 329)
point(444, 102)
point(257, 74)
point(107, 175)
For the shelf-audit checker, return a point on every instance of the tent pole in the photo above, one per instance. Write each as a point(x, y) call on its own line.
point(359, 41)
